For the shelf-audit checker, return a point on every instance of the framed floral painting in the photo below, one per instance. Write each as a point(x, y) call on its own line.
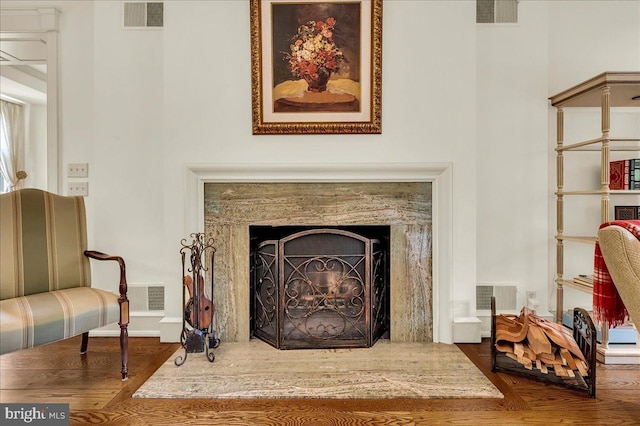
point(316, 66)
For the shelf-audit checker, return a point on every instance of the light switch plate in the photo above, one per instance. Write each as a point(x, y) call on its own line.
point(78, 188)
point(78, 170)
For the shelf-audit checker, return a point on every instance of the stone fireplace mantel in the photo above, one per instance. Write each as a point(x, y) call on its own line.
point(439, 174)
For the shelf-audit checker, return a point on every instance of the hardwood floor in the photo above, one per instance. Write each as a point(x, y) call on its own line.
point(91, 385)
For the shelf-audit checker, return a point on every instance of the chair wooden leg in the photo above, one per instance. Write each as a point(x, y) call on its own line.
point(124, 335)
point(85, 343)
point(124, 350)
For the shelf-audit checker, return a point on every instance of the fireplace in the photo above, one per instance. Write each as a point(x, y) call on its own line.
point(232, 208)
point(421, 301)
point(319, 287)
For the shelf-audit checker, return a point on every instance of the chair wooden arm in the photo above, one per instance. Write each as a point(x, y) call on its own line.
point(123, 270)
point(124, 306)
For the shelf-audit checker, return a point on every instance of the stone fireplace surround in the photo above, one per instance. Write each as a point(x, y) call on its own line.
point(439, 174)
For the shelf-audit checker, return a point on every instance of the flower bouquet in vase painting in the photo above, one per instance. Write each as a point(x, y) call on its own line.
point(314, 54)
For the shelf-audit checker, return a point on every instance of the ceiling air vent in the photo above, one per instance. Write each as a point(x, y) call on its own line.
point(143, 15)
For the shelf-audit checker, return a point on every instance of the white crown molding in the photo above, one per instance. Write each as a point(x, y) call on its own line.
point(34, 20)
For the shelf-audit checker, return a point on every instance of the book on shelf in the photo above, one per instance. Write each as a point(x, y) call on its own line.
point(626, 212)
point(634, 173)
point(624, 174)
point(616, 174)
point(584, 280)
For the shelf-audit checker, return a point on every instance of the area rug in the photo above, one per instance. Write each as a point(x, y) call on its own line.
point(386, 370)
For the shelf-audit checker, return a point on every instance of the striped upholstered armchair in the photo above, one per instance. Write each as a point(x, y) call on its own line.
point(45, 277)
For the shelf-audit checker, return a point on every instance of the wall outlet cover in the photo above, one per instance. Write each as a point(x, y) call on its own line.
point(78, 188)
point(80, 170)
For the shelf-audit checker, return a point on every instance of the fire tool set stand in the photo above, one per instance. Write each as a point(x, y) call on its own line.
point(198, 334)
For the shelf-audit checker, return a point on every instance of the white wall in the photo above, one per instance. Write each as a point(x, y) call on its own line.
point(139, 105)
point(207, 97)
point(512, 223)
point(35, 161)
point(589, 37)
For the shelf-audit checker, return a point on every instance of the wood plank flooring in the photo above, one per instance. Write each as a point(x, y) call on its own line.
point(91, 385)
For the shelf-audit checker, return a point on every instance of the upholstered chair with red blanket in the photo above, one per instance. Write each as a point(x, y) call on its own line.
point(620, 246)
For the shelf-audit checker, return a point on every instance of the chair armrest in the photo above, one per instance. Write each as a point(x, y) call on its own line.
point(123, 272)
point(124, 308)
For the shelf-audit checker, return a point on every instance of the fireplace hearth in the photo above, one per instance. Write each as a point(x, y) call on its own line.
point(320, 287)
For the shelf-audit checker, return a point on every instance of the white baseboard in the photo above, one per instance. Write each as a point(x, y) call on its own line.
point(467, 330)
point(170, 329)
point(619, 354)
point(116, 333)
point(145, 325)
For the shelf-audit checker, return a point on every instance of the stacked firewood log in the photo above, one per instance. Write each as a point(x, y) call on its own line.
point(539, 344)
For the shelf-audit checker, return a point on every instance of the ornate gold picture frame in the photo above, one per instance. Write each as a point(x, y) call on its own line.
point(316, 66)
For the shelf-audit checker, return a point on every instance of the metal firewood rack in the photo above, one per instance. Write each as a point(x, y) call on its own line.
point(584, 333)
point(198, 332)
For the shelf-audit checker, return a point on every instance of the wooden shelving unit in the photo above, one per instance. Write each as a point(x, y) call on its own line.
point(604, 91)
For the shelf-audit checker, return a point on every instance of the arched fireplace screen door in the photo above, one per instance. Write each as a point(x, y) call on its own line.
point(320, 288)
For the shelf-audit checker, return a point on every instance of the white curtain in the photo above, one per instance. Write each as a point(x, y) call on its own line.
point(11, 144)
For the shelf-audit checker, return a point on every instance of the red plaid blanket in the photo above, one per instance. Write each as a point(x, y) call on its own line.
point(607, 305)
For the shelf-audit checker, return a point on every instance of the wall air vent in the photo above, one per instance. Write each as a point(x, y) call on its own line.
point(497, 11)
point(137, 15)
point(506, 297)
point(146, 298)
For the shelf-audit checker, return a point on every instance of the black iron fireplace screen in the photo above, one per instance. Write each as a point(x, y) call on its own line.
point(320, 288)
